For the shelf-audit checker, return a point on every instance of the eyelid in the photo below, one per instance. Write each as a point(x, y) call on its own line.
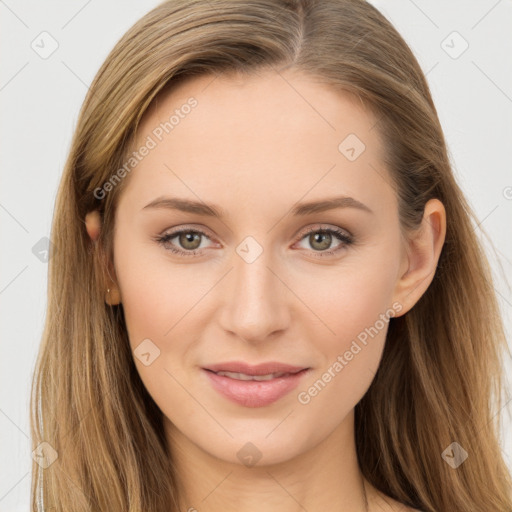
point(323, 227)
point(176, 230)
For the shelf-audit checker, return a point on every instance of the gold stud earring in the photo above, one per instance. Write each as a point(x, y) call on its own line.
point(112, 299)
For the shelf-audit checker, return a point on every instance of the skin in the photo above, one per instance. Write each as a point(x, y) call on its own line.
point(255, 146)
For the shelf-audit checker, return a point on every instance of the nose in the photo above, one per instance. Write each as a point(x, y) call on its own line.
point(255, 299)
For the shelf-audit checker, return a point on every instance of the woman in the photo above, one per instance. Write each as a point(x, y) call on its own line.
point(267, 293)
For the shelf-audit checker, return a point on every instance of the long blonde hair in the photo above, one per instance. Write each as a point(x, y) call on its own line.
point(440, 378)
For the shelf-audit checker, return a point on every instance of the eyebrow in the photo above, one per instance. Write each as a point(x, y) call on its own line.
point(210, 210)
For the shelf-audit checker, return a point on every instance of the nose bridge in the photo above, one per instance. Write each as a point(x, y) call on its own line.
point(255, 307)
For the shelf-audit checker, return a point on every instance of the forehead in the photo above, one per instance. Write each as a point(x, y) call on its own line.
point(268, 104)
point(265, 136)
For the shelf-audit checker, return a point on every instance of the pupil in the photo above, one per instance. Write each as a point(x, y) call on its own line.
point(188, 238)
point(319, 237)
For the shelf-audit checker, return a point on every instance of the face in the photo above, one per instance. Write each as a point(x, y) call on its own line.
point(265, 279)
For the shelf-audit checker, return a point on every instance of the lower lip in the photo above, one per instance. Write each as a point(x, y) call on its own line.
point(253, 393)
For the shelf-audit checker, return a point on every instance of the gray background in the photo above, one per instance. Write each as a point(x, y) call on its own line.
point(40, 99)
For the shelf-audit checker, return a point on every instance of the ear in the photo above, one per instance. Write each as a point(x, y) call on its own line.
point(421, 255)
point(93, 227)
point(93, 224)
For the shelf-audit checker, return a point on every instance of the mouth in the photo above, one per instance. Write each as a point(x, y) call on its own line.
point(262, 369)
point(259, 378)
point(255, 386)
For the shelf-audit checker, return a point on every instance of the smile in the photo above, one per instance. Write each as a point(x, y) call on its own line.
point(254, 390)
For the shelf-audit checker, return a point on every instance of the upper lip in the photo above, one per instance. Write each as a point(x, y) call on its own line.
point(258, 369)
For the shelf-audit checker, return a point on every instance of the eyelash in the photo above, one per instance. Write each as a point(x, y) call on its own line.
point(341, 235)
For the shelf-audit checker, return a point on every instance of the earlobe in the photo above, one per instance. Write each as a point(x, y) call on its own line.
point(112, 292)
point(422, 255)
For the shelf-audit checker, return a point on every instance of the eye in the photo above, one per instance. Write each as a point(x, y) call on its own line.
point(188, 239)
point(321, 239)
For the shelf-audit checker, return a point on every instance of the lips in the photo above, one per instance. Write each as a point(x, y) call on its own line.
point(272, 367)
point(259, 378)
point(254, 385)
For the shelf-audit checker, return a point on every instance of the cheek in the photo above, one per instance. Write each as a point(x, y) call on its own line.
point(354, 306)
point(158, 301)
point(155, 294)
point(165, 303)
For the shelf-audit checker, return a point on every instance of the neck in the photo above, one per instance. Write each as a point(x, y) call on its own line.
point(327, 477)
